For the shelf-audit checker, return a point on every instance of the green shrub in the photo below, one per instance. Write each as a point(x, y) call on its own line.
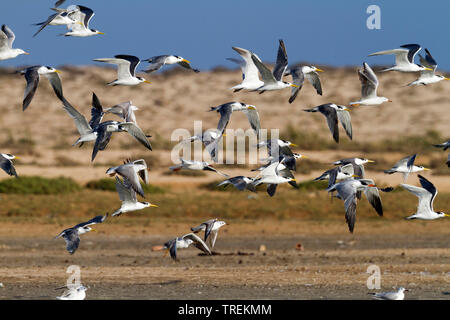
point(106, 184)
point(38, 185)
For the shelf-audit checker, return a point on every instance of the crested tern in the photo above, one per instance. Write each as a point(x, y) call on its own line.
point(273, 80)
point(157, 62)
point(127, 195)
point(426, 196)
point(240, 182)
point(404, 58)
point(333, 113)
point(275, 174)
point(72, 235)
point(277, 147)
point(7, 38)
point(195, 165)
point(132, 170)
point(347, 190)
point(126, 70)
point(428, 76)
point(299, 74)
point(357, 163)
point(228, 108)
point(80, 28)
point(73, 293)
point(60, 18)
point(32, 76)
point(341, 172)
point(406, 166)
point(210, 139)
point(250, 77)
point(369, 86)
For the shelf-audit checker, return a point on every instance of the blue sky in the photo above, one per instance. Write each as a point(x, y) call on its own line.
point(203, 31)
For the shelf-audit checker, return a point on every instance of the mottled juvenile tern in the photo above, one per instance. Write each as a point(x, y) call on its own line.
point(369, 85)
point(74, 293)
point(184, 242)
point(126, 70)
point(32, 76)
point(426, 196)
point(211, 228)
point(404, 58)
point(395, 295)
point(333, 113)
point(72, 235)
point(7, 38)
point(157, 62)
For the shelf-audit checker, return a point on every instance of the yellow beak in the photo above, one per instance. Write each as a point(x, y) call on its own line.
point(251, 107)
point(294, 85)
point(186, 61)
point(428, 69)
point(355, 104)
point(303, 156)
point(16, 157)
point(224, 135)
point(25, 53)
point(446, 215)
point(370, 161)
point(94, 230)
point(57, 71)
point(146, 81)
point(446, 78)
point(320, 70)
point(100, 33)
point(293, 145)
point(426, 169)
point(154, 205)
point(294, 180)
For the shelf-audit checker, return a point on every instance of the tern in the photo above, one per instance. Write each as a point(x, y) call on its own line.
point(273, 80)
point(426, 196)
point(445, 146)
point(240, 182)
point(228, 108)
point(82, 15)
point(132, 170)
point(60, 18)
point(126, 68)
point(210, 139)
point(184, 242)
point(211, 228)
point(32, 76)
point(157, 62)
point(396, 295)
point(250, 77)
point(406, 166)
point(369, 86)
point(73, 293)
point(333, 113)
point(7, 165)
point(195, 165)
point(347, 191)
point(7, 38)
point(428, 76)
point(404, 58)
point(127, 195)
point(357, 163)
point(72, 235)
point(275, 174)
point(299, 74)
point(342, 172)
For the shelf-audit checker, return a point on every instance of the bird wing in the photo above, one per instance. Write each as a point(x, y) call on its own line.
point(55, 82)
point(412, 51)
point(32, 78)
point(187, 65)
point(209, 225)
point(72, 240)
point(346, 121)
point(197, 242)
point(8, 166)
point(225, 111)
point(282, 62)
point(46, 23)
point(369, 81)
point(81, 123)
point(144, 172)
point(127, 171)
point(10, 36)
point(428, 62)
point(96, 112)
point(136, 133)
point(249, 69)
point(332, 120)
point(253, 118)
point(298, 78)
point(85, 15)
point(213, 238)
point(95, 220)
point(103, 138)
point(266, 74)
point(373, 196)
point(425, 197)
point(125, 194)
point(313, 78)
point(427, 185)
point(156, 63)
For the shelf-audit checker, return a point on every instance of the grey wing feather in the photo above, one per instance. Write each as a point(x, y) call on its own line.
point(350, 212)
point(298, 79)
point(155, 63)
point(9, 34)
point(253, 118)
point(46, 23)
point(314, 79)
point(96, 112)
point(332, 120)
point(81, 123)
point(55, 82)
point(72, 240)
point(198, 243)
point(266, 75)
point(225, 115)
point(8, 166)
point(125, 193)
point(136, 133)
point(130, 174)
point(344, 117)
point(186, 65)
point(32, 77)
point(282, 62)
point(373, 196)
